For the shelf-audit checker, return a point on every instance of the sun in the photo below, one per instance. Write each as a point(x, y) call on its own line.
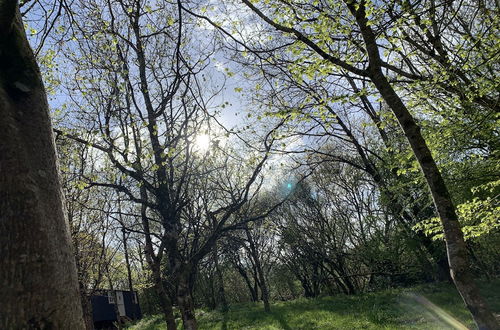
point(202, 143)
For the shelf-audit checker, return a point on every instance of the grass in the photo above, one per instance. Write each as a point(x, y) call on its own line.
point(427, 307)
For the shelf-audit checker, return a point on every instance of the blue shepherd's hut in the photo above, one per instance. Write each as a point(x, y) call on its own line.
point(106, 304)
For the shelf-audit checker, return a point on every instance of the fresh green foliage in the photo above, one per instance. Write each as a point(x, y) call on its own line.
point(478, 216)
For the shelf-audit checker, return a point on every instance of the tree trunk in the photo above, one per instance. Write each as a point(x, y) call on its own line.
point(185, 300)
point(315, 279)
point(221, 294)
point(334, 273)
point(437, 253)
point(37, 269)
point(260, 271)
point(308, 292)
point(129, 271)
point(87, 312)
point(165, 302)
point(212, 302)
point(263, 288)
point(251, 288)
point(154, 264)
point(455, 244)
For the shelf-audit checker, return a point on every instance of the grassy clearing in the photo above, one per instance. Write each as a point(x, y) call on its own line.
point(425, 307)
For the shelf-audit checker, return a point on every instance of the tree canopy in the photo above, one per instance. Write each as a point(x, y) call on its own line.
point(221, 152)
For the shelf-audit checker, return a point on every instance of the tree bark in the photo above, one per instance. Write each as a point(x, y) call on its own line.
point(154, 264)
point(129, 271)
point(185, 300)
point(87, 312)
point(221, 294)
point(165, 303)
point(37, 268)
point(263, 288)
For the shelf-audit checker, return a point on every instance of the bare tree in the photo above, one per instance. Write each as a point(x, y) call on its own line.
point(142, 102)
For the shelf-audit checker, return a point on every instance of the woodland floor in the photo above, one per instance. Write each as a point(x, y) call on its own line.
point(436, 306)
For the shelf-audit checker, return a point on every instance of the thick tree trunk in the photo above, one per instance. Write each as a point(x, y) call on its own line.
point(165, 303)
point(87, 312)
point(185, 300)
point(154, 265)
point(85, 298)
point(38, 276)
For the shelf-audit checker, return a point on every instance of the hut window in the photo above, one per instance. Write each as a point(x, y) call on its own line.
point(111, 298)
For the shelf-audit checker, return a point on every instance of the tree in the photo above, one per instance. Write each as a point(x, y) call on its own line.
point(140, 93)
point(37, 268)
point(330, 36)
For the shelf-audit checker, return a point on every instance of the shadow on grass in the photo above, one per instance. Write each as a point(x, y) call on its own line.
point(393, 309)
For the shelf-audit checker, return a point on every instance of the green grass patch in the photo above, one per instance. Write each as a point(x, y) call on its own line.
point(436, 306)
